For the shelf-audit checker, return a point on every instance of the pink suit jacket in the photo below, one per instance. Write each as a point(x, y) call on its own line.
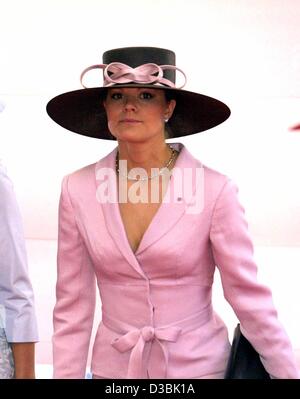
point(157, 316)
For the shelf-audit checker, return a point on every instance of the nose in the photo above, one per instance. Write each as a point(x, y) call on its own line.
point(130, 103)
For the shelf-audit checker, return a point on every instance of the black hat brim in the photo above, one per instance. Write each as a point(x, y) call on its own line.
point(82, 112)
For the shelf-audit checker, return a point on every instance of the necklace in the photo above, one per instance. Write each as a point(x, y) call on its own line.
point(160, 172)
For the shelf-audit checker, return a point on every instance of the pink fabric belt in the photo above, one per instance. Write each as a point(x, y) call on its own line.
point(134, 339)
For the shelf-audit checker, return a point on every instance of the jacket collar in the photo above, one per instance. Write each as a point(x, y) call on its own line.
point(170, 211)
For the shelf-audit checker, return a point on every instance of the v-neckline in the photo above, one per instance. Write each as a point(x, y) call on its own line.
point(155, 216)
point(166, 217)
point(152, 221)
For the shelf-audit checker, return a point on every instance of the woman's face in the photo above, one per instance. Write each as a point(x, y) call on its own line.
point(137, 114)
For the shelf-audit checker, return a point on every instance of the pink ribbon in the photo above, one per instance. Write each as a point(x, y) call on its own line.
point(118, 73)
point(134, 339)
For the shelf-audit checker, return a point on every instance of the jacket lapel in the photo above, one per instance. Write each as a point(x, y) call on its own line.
point(170, 211)
point(176, 200)
point(110, 208)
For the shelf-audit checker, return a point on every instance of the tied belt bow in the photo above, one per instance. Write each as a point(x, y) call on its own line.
point(135, 339)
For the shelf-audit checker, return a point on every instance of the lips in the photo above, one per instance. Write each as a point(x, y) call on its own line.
point(129, 120)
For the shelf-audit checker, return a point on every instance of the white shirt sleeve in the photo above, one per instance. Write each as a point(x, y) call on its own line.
point(16, 294)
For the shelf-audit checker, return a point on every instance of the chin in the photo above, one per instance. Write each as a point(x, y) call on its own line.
point(131, 137)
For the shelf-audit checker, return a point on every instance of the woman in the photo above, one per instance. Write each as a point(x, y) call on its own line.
point(149, 222)
point(18, 332)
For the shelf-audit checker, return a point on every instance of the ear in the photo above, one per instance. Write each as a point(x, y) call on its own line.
point(170, 108)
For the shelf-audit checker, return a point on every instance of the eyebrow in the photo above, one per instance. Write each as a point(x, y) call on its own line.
point(138, 88)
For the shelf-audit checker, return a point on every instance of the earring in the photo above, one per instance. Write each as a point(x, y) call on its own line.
point(166, 120)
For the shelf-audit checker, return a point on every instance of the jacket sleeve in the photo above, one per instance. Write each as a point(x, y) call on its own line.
point(251, 301)
point(17, 311)
point(75, 295)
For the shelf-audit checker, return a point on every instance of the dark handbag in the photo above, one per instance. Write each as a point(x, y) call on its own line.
point(244, 362)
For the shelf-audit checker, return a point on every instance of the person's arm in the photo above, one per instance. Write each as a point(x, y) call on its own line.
point(251, 301)
point(23, 353)
point(75, 295)
point(16, 293)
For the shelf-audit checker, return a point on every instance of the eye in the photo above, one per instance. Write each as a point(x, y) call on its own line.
point(116, 96)
point(145, 95)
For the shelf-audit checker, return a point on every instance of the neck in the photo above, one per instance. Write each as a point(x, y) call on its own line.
point(143, 155)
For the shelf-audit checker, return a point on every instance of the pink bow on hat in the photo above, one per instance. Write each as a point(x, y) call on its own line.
point(118, 73)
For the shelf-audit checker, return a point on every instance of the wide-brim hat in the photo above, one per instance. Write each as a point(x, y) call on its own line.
point(82, 111)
